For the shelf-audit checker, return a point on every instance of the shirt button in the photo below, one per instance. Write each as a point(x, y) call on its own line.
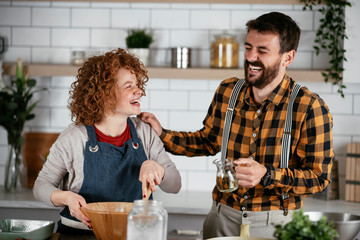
point(243, 208)
point(258, 111)
point(245, 215)
point(245, 197)
point(254, 134)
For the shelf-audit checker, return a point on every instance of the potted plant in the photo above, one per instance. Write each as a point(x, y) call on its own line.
point(330, 37)
point(138, 42)
point(15, 109)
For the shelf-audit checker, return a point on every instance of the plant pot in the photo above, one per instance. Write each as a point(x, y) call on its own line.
point(142, 53)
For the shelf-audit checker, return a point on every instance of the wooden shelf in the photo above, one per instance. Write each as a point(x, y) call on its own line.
point(46, 70)
point(192, 1)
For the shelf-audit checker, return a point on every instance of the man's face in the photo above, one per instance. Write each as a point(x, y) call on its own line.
point(262, 58)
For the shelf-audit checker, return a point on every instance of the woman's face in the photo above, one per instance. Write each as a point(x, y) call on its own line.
point(127, 93)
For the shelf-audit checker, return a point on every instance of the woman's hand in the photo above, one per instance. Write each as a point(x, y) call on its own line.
point(74, 201)
point(151, 174)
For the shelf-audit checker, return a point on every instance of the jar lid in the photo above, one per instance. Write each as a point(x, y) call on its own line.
point(225, 36)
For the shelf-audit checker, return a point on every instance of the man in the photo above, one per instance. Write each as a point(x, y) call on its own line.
point(269, 189)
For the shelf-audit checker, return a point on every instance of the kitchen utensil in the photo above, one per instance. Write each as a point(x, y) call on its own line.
point(108, 219)
point(147, 220)
point(226, 180)
point(11, 229)
point(347, 225)
point(181, 57)
point(148, 193)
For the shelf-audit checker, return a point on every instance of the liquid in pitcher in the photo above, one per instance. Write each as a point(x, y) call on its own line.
point(226, 180)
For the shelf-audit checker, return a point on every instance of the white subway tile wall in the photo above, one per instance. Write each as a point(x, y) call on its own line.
point(47, 32)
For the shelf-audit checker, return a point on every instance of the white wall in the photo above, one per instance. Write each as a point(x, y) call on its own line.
point(49, 31)
point(352, 43)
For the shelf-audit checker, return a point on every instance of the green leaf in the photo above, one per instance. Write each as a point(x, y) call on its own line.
point(31, 83)
point(19, 69)
point(12, 105)
point(329, 36)
point(30, 116)
point(138, 38)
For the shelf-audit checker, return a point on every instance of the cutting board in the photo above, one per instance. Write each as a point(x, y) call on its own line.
point(36, 144)
point(352, 183)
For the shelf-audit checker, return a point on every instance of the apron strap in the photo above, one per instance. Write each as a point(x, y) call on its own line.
point(93, 146)
point(135, 139)
point(228, 117)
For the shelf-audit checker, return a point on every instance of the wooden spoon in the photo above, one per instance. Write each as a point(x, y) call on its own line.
point(148, 193)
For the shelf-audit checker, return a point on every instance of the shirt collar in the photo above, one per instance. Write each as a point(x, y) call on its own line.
point(276, 97)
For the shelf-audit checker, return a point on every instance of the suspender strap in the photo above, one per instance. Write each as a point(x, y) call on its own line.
point(286, 142)
point(228, 117)
point(285, 147)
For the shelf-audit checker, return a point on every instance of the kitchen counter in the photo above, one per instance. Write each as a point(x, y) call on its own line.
point(182, 203)
point(186, 210)
point(200, 203)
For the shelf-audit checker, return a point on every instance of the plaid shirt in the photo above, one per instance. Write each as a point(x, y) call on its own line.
point(257, 132)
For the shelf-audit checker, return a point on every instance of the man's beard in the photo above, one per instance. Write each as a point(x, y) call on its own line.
point(268, 74)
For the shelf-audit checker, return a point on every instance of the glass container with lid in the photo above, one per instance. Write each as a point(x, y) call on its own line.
point(224, 51)
point(147, 220)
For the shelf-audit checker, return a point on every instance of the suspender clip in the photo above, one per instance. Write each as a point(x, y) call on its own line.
point(285, 200)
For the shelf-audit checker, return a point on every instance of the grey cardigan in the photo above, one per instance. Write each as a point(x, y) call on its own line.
point(67, 156)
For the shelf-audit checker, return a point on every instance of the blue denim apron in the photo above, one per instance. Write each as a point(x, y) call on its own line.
point(111, 173)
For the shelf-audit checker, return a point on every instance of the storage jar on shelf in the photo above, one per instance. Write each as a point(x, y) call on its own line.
point(224, 51)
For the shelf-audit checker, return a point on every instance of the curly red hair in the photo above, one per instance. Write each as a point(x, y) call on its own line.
point(93, 93)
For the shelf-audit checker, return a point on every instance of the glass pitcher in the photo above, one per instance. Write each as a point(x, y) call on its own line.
point(226, 180)
point(147, 220)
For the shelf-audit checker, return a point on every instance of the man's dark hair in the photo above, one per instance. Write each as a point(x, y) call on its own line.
point(280, 24)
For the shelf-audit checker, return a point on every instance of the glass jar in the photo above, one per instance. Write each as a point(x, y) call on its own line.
point(224, 51)
point(78, 57)
point(147, 220)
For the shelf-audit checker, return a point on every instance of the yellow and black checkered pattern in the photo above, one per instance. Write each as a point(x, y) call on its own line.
point(257, 132)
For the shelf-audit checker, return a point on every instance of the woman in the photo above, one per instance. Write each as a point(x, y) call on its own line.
point(106, 155)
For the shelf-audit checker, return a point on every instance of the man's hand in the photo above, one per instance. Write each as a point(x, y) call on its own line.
point(151, 174)
point(152, 120)
point(249, 172)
